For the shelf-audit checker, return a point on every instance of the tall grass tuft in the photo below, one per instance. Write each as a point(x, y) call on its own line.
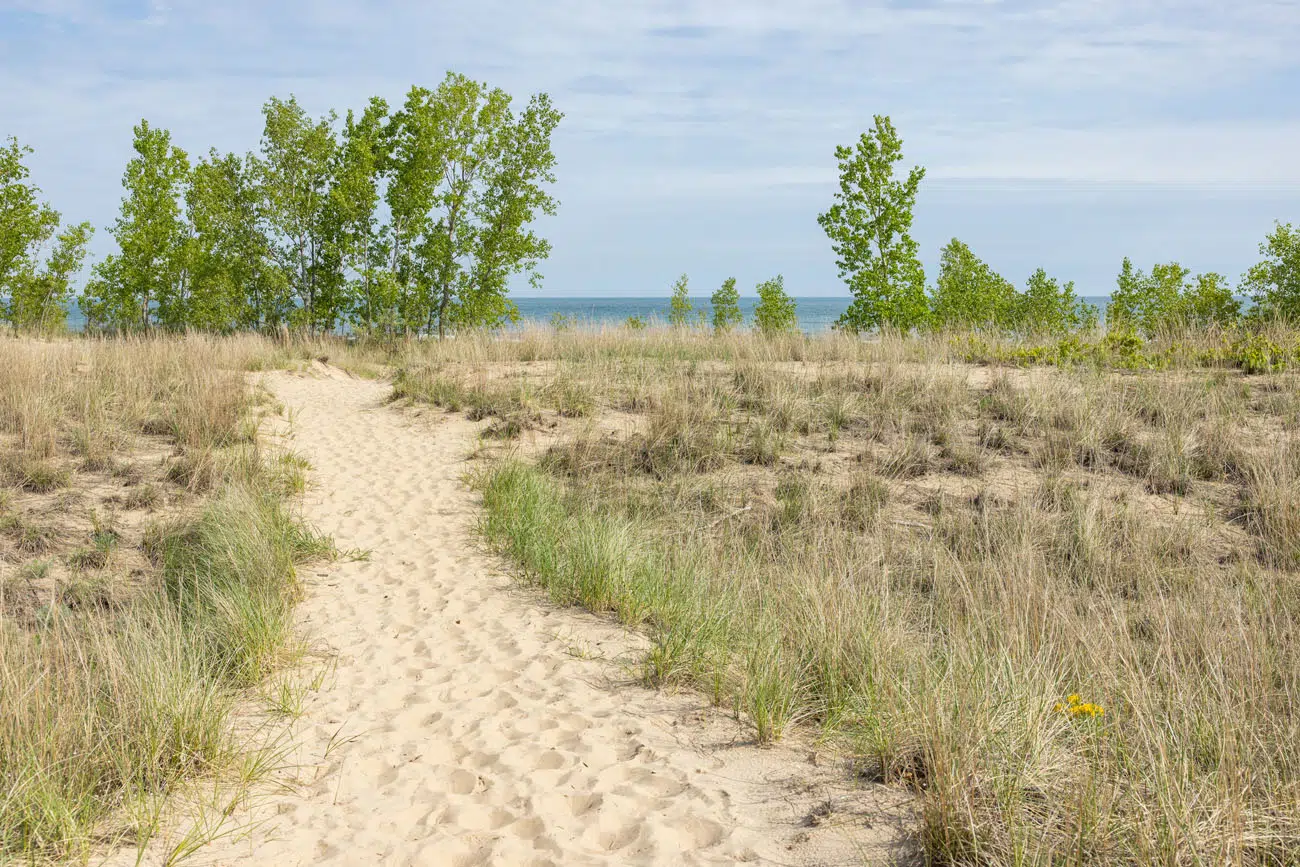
point(115, 693)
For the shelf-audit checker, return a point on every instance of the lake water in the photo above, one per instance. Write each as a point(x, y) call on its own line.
point(815, 314)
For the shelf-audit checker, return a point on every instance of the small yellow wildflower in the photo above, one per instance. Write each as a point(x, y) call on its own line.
point(1076, 707)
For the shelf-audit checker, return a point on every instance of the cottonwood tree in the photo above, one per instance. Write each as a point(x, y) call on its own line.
point(362, 241)
point(726, 306)
point(467, 181)
point(40, 296)
point(1169, 297)
point(34, 288)
point(970, 294)
point(25, 222)
point(1274, 283)
point(234, 283)
point(680, 309)
point(869, 225)
point(775, 311)
point(1209, 301)
point(1049, 306)
point(146, 280)
point(295, 171)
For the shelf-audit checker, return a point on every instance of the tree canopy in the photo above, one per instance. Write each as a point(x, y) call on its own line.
point(403, 222)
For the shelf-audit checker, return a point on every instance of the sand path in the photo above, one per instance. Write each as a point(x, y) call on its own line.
point(464, 727)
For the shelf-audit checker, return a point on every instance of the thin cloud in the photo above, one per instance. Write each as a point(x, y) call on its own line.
point(690, 101)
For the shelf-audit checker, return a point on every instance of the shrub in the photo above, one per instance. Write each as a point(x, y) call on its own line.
point(1274, 283)
point(969, 294)
point(679, 305)
point(1166, 299)
point(726, 306)
point(775, 313)
point(1050, 307)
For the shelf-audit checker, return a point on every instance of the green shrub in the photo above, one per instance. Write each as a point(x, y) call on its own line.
point(775, 312)
point(726, 306)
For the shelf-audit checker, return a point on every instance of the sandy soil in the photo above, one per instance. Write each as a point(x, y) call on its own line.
point(468, 722)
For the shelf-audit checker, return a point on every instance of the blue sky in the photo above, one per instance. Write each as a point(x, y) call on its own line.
point(699, 134)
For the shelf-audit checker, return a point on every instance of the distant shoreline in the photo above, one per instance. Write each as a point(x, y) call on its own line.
point(816, 313)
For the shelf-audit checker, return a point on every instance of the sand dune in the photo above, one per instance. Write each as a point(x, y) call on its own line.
point(472, 724)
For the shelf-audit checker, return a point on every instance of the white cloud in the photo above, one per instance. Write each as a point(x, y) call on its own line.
point(694, 99)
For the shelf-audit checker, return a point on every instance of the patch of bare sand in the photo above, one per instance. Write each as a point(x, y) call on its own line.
point(467, 722)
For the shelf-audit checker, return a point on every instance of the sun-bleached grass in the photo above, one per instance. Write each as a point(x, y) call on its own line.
point(144, 593)
point(930, 560)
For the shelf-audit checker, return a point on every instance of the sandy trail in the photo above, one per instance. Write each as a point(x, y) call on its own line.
point(477, 734)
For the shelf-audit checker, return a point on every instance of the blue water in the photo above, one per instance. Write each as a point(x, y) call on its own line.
point(815, 314)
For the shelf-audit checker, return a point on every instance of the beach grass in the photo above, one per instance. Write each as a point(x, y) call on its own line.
point(1058, 600)
point(146, 583)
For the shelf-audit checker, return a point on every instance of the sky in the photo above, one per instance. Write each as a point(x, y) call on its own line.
point(699, 135)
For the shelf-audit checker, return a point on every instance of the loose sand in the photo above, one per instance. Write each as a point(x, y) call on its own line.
point(468, 722)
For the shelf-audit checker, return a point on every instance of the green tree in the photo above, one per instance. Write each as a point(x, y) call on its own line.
point(680, 310)
point(1210, 301)
point(775, 312)
point(1169, 297)
point(146, 281)
point(1274, 283)
point(361, 238)
point(1147, 302)
point(1051, 307)
point(233, 281)
point(26, 225)
point(468, 179)
point(970, 294)
point(40, 298)
point(869, 225)
point(236, 282)
point(295, 166)
point(25, 222)
point(726, 306)
point(412, 170)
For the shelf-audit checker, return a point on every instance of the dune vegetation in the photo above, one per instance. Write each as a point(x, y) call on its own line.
point(1055, 596)
point(148, 547)
point(1043, 571)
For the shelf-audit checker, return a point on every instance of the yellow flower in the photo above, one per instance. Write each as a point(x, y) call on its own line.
point(1076, 707)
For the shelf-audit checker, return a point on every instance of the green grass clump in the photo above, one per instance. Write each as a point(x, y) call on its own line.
point(103, 716)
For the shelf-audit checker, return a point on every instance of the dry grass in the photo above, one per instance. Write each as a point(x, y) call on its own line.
point(924, 559)
point(146, 579)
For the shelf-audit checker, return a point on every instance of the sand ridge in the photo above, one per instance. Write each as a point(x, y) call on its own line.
point(463, 723)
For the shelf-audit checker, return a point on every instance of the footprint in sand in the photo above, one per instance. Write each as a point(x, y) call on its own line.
point(457, 728)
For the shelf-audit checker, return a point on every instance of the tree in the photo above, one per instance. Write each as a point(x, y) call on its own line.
point(775, 312)
point(869, 225)
point(970, 294)
point(294, 173)
point(468, 180)
point(726, 306)
point(362, 240)
point(34, 289)
point(147, 279)
point(25, 222)
point(1169, 298)
point(1210, 301)
point(1147, 302)
point(233, 281)
point(1050, 307)
point(680, 309)
point(39, 299)
point(1274, 283)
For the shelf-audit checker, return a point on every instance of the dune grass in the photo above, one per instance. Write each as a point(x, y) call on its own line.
point(160, 594)
point(1059, 604)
